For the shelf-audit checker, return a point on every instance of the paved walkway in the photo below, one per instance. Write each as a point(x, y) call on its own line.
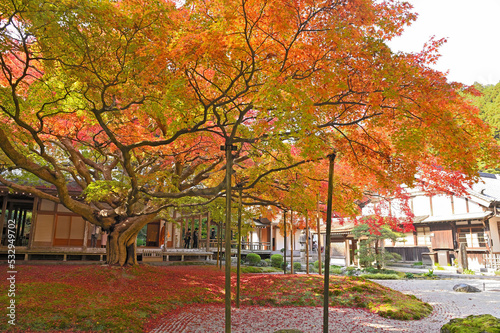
point(439, 293)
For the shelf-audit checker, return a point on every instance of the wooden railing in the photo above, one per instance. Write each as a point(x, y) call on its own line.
point(256, 246)
point(492, 261)
point(252, 246)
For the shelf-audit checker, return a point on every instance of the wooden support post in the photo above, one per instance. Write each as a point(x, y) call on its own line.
point(34, 218)
point(347, 252)
point(208, 231)
point(85, 234)
point(191, 241)
point(307, 244)
point(284, 232)
point(319, 239)
point(291, 242)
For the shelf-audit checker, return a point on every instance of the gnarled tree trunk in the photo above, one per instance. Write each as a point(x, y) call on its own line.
point(121, 248)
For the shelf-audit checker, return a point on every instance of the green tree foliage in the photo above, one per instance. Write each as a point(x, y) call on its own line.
point(253, 259)
point(489, 106)
point(488, 102)
point(370, 249)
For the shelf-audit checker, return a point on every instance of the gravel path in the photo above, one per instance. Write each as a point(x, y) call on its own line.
point(439, 293)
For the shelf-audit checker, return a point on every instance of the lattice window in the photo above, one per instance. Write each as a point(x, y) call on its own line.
point(423, 236)
point(473, 237)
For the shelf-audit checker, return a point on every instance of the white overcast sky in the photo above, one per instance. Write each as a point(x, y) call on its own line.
point(472, 27)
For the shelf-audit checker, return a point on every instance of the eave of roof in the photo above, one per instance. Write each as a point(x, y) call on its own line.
point(457, 217)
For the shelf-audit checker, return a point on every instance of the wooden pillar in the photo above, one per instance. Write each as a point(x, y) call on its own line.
point(291, 242)
point(307, 244)
point(319, 239)
point(192, 232)
point(174, 236)
point(347, 252)
point(85, 234)
point(2, 217)
point(251, 241)
point(270, 232)
point(208, 231)
point(34, 217)
point(165, 234)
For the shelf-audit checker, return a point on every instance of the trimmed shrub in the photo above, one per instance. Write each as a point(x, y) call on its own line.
point(297, 266)
point(316, 265)
point(381, 276)
point(263, 263)
point(276, 260)
point(336, 270)
point(253, 259)
point(250, 269)
point(370, 270)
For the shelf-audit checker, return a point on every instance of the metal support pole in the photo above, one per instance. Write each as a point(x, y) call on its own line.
point(229, 161)
point(307, 243)
point(284, 230)
point(292, 271)
point(238, 265)
point(328, 243)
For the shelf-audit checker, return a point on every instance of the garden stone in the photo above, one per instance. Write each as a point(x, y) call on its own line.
point(465, 288)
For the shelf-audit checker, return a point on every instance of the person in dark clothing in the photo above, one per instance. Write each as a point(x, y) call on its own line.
point(187, 239)
point(195, 238)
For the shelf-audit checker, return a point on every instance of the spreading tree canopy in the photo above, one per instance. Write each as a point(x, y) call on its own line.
point(131, 100)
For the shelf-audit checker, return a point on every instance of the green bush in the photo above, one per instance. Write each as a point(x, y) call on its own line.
point(480, 323)
point(439, 267)
point(380, 276)
point(251, 270)
point(297, 266)
point(430, 273)
point(336, 270)
point(409, 275)
point(276, 260)
point(370, 269)
point(418, 263)
point(253, 259)
point(350, 270)
point(316, 265)
point(268, 261)
point(497, 273)
point(263, 263)
point(469, 272)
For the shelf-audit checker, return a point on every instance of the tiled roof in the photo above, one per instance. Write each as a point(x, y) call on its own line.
point(488, 186)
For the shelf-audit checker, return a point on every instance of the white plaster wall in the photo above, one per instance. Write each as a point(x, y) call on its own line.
point(407, 240)
point(474, 207)
point(421, 205)
point(280, 242)
point(460, 205)
point(441, 205)
point(495, 234)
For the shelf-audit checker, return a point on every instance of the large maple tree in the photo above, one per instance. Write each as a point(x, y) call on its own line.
point(132, 99)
